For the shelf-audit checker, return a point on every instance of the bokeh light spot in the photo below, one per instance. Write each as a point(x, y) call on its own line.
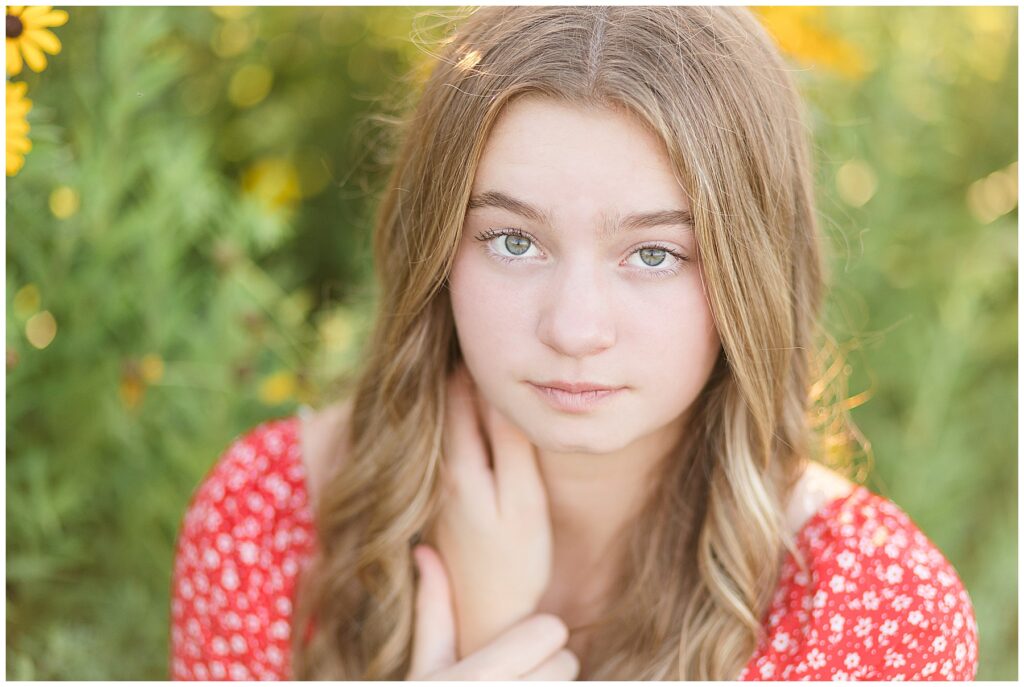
point(250, 85)
point(26, 301)
point(231, 12)
point(233, 38)
point(994, 195)
point(278, 388)
point(64, 202)
point(274, 181)
point(856, 182)
point(337, 331)
point(152, 368)
point(40, 329)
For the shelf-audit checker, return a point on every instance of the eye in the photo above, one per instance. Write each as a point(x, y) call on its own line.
point(517, 245)
point(666, 259)
point(652, 256)
point(516, 242)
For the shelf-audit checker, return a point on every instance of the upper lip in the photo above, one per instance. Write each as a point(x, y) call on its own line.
point(576, 387)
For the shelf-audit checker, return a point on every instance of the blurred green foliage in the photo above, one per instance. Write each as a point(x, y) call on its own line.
point(188, 255)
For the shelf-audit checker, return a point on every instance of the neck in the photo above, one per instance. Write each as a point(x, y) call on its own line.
point(592, 499)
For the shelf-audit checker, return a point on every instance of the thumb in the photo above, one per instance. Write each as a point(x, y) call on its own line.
point(433, 647)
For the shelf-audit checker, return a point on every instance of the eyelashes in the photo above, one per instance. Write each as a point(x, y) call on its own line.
point(487, 235)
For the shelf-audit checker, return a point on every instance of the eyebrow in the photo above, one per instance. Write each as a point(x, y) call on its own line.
point(636, 220)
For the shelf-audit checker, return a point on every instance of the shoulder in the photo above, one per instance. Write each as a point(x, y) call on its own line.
point(817, 487)
point(259, 481)
point(245, 535)
point(879, 601)
point(324, 437)
point(265, 461)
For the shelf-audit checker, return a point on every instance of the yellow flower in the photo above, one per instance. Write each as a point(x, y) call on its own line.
point(800, 33)
point(152, 368)
point(27, 35)
point(274, 181)
point(18, 142)
point(278, 388)
point(136, 375)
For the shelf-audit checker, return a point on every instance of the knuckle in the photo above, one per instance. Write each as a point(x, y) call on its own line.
point(554, 627)
point(570, 662)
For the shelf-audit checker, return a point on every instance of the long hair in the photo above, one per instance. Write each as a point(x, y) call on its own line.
point(705, 553)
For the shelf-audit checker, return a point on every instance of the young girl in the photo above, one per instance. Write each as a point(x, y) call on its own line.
point(580, 446)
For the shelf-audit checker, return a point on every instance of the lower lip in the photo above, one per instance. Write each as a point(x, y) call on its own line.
point(568, 402)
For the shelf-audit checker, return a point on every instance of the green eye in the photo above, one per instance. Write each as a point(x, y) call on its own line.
point(516, 245)
point(652, 256)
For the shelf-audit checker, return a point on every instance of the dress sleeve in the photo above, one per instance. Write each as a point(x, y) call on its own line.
point(910, 608)
point(244, 537)
point(879, 601)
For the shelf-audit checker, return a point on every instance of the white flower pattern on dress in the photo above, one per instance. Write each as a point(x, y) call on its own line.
point(879, 601)
point(885, 603)
point(244, 538)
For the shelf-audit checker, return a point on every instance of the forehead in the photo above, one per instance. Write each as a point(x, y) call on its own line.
point(561, 155)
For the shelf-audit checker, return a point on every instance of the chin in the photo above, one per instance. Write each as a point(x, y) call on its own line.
point(583, 441)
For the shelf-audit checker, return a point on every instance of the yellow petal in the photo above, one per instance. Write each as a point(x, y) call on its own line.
point(54, 18)
point(18, 112)
point(44, 39)
point(17, 127)
point(18, 108)
point(35, 11)
point(14, 164)
point(13, 58)
point(34, 57)
point(19, 145)
point(15, 140)
point(18, 88)
point(15, 9)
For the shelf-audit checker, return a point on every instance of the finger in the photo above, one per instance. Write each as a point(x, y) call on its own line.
point(433, 647)
point(518, 482)
point(465, 450)
point(517, 651)
point(562, 666)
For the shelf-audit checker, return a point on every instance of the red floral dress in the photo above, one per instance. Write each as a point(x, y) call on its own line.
point(880, 603)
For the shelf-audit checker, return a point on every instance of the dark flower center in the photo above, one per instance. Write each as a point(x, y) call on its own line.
point(14, 26)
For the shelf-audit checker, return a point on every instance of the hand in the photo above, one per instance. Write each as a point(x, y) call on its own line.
point(493, 531)
point(531, 650)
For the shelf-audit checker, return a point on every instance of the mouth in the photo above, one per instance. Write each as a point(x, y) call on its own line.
point(576, 387)
point(584, 399)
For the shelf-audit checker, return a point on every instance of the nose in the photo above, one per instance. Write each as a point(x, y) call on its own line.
point(577, 314)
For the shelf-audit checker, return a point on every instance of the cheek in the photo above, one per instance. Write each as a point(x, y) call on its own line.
point(489, 312)
point(672, 335)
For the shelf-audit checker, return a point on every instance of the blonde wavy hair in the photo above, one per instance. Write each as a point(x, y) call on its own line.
point(705, 554)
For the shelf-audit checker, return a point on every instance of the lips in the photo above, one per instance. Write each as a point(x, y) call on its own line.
point(588, 397)
point(576, 387)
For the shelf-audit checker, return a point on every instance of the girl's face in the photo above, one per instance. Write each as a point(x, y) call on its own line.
point(578, 263)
